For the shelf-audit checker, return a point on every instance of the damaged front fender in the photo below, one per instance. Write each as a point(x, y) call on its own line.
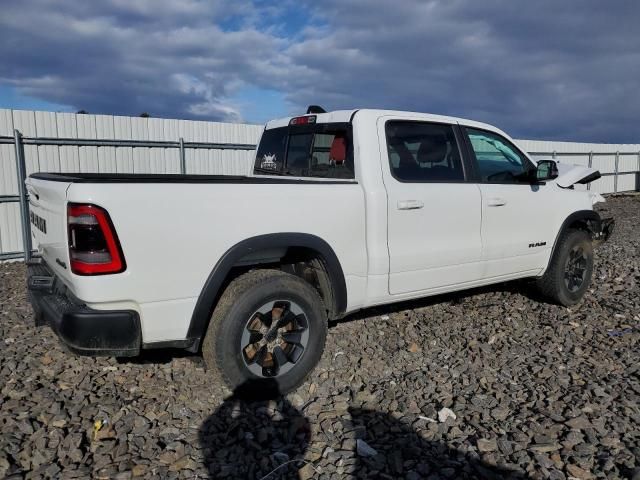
point(596, 198)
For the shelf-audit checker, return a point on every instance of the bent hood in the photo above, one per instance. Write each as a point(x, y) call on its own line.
point(571, 174)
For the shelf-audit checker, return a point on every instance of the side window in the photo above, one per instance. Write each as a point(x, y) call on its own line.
point(498, 161)
point(423, 152)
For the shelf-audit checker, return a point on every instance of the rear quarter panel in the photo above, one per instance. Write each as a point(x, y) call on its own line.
point(172, 235)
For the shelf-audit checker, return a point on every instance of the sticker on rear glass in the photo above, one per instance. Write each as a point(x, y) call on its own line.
point(269, 162)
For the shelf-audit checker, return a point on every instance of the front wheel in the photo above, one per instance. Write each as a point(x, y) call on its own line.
point(268, 329)
point(569, 273)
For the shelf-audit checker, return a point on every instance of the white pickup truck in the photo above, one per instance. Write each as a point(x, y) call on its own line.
point(344, 210)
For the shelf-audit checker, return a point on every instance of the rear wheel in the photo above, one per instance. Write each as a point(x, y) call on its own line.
point(268, 329)
point(569, 273)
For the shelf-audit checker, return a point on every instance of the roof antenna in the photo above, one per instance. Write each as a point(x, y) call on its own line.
point(315, 109)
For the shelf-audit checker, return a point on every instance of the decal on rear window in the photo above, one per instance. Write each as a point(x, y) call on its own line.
point(269, 162)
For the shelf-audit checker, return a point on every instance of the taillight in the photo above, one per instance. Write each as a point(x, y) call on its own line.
point(93, 244)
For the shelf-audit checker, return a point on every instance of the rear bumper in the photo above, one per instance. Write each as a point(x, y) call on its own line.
point(83, 330)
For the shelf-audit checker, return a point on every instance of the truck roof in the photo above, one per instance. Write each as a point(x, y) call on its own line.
point(337, 116)
point(345, 116)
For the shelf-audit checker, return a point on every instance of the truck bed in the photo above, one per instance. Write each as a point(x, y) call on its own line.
point(173, 229)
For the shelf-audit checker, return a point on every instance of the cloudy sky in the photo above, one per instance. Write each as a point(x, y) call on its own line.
point(544, 69)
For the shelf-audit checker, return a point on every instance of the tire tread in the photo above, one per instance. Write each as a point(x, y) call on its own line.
point(236, 288)
point(551, 283)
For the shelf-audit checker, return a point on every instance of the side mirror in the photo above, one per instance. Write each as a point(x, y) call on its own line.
point(547, 170)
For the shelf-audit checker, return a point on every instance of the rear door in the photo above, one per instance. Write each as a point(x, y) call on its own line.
point(47, 214)
point(515, 210)
point(434, 216)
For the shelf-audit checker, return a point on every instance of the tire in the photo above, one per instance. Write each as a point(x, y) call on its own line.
point(245, 313)
point(557, 283)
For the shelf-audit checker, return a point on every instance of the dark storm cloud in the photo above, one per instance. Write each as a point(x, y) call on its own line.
point(545, 69)
point(119, 56)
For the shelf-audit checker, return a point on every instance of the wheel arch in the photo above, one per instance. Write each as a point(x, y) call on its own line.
point(587, 220)
point(287, 240)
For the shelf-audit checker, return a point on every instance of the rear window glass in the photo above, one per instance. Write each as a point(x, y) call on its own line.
point(322, 150)
point(270, 156)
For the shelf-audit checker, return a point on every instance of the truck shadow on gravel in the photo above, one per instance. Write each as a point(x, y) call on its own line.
point(254, 432)
point(257, 434)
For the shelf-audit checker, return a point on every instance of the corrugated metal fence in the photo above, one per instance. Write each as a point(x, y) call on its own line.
point(68, 142)
point(619, 164)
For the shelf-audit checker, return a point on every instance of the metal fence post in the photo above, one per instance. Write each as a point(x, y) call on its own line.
point(22, 191)
point(183, 160)
point(615, 173)
point(590, 165)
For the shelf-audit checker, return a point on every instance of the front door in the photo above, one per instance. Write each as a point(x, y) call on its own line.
point(434, 216)
point(515, 210)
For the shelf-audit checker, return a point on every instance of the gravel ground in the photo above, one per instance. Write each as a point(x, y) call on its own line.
point(490, 383)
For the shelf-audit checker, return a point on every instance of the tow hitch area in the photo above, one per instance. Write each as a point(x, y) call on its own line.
point(41, 283)
point(84, 330)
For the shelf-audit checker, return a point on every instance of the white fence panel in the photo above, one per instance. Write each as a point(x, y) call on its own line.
point(629, 163)
point(628, 182)
point(69, 154)
point(10, 228)
point(602, 156)
point(25, 122)
point(88, 154)
point(8, 174)
point(124, 155)
point(106, 155)
point(48, 155)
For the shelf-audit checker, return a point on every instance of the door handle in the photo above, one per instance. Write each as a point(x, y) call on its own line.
point(496, 202)
point(410, 204)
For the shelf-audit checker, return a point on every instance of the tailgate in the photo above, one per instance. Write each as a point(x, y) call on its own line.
point(47, 214)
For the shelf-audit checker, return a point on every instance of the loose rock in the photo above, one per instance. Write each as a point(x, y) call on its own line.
point(534, 389)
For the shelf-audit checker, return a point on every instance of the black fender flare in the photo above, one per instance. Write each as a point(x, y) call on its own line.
point(591, 219)
point(211, 290)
